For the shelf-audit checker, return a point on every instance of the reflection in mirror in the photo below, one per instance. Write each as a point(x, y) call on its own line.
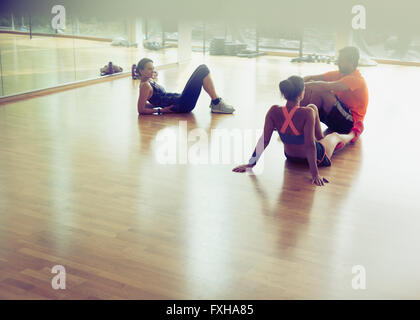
point(41, 51)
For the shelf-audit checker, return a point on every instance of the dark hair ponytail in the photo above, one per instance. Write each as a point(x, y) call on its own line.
point(292, 87)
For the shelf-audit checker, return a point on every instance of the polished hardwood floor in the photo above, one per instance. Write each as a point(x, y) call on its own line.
point(80, 186)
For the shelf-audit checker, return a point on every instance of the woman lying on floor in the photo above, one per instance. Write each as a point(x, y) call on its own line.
point(300, 130)
point(154, 99)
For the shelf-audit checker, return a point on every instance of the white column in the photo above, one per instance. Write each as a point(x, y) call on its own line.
point(343, 39)
point(139, 32)
point(135, 31)
point(184, 41)
point(77, 26)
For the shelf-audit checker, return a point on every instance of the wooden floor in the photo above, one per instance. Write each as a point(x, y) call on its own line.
point(80, 187)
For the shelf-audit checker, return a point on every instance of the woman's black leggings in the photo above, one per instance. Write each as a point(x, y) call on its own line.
point(191, 92)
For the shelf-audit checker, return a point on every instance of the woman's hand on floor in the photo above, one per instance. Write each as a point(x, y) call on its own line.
point(168, 109)
point(319, 181)
point(242, 168)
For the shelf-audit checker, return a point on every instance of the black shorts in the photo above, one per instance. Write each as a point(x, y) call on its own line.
point(321, 157)
point(339, 119)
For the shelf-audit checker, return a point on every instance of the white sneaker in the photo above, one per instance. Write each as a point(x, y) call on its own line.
point(221, 107)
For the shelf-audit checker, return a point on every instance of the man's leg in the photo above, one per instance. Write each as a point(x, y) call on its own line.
point(318, 130)
point(324, 100)
point(331, 141)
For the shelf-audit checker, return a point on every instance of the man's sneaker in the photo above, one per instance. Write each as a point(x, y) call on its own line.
point(339, 146)
point(357, 129)
point(221, 107)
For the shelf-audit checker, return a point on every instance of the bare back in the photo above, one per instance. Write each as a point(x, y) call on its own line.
point(299, 119)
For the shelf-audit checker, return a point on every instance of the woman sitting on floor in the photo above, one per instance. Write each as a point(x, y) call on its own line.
point(300, 130)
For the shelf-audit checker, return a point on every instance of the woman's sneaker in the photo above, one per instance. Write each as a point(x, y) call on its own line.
point(221, 107)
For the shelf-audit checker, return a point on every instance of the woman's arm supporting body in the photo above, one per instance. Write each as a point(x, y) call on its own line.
point(261, 144)
point(310, 146)
point(144, 107)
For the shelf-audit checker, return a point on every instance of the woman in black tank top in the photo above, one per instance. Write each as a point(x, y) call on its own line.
point(154, 95)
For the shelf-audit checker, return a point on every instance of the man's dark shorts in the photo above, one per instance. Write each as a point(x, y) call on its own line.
point(339, 119)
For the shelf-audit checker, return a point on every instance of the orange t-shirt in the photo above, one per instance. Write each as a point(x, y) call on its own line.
point(356, 98)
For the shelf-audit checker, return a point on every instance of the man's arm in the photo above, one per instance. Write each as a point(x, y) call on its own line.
point(331, 85)
point(318, 77)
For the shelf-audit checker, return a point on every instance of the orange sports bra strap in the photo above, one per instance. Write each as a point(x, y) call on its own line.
point(288, 120)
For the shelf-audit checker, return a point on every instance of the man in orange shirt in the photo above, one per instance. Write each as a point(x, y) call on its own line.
point(341, 96)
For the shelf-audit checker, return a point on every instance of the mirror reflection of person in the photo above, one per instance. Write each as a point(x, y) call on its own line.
point(341, 96)
point(153, 98)
point(110, 68)
point(300, 130)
